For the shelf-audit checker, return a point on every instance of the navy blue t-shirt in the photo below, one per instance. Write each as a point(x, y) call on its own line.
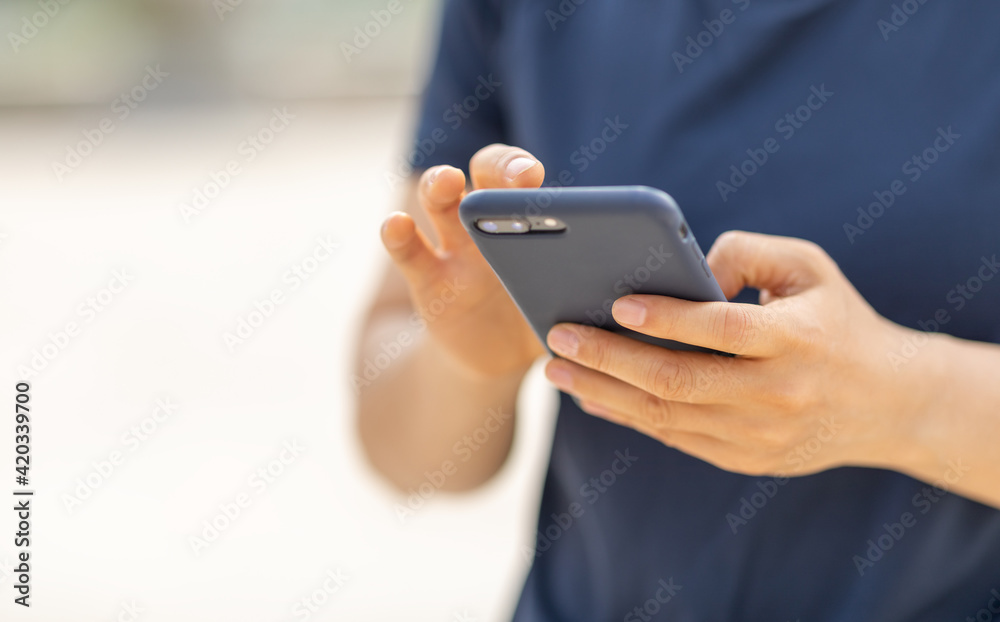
point(871, 127)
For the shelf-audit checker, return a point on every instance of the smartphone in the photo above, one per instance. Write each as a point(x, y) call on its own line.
point(566, 254)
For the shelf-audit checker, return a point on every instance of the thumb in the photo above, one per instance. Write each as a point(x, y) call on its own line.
point(778, 266)
point(410, 250)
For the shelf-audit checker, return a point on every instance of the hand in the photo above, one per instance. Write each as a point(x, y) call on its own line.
point(467, 310)
point(811, 387)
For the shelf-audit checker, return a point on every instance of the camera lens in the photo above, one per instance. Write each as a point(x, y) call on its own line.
point(487, 225)
point(518, 226)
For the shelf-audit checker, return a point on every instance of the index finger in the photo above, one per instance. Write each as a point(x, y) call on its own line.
point(503, 166)
point(744, 329)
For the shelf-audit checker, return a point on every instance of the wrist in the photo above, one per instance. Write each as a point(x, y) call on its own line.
point(926, 386)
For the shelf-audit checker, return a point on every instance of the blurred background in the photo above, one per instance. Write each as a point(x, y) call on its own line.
point(165, 166)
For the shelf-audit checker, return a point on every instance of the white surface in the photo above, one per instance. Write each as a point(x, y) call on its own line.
point(161, 338)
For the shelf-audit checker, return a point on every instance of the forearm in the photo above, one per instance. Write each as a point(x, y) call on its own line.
point(423, 413)
point(954, 437)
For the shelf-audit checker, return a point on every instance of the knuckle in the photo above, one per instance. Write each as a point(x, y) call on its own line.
point(730, 237)
point(405, 256)
point(812, 250)
point(816, 256)
point(802, 340)
point(655, 412)
point(789, 397)
point(596, 350)
point(729, 242)
point(665, 322)
point(669, 380)
point(801, 335)
point(720, 247)
point(707, 378)
point(774, 436)
point(737, 326)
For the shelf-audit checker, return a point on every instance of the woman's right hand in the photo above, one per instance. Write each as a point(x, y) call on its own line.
point(453, 288)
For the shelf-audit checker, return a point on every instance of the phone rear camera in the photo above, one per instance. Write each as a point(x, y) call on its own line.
point(504, 226)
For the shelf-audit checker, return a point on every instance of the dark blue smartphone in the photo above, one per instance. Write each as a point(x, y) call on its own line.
point(566, 254)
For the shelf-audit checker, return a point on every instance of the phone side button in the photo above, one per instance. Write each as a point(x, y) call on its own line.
point(696, 250)
point(704, 266)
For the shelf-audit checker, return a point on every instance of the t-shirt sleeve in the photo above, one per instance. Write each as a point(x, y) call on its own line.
point(461, 110)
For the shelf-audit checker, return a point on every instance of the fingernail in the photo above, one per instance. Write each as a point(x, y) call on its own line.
point(564, 341)
point(431, 176)
point(629, 311)
point(518, 166)
point(559, 376)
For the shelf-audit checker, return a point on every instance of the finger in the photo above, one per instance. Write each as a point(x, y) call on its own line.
point(441, 190)
point(747, 330)
point(410, 250)
point(692, 377)
point(708, 448)
point(503, 166)
point(779, 265)
point(639, 408)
